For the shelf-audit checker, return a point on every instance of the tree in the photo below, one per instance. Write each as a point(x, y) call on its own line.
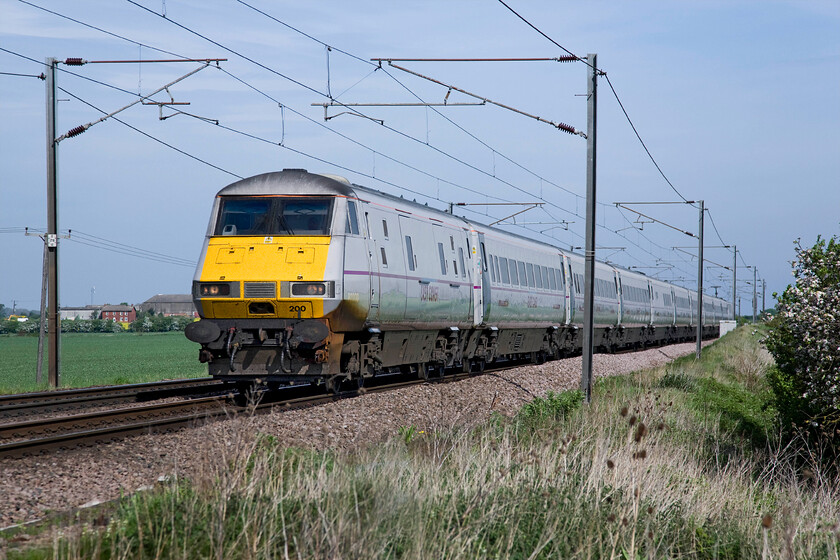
point(805, 340)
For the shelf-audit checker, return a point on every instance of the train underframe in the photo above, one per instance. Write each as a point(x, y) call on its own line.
point(280, 352)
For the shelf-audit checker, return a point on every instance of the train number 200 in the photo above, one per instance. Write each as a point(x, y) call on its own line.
point(297, 309)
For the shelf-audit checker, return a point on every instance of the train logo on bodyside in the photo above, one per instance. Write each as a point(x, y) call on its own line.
point(429, 293)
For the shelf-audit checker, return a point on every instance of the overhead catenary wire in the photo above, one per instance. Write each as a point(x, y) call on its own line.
point(338, 50)
point(615, 93)
point(151, 137)
point(376, 152)
point(40, 76)
point(322, 93)
point(310, 88)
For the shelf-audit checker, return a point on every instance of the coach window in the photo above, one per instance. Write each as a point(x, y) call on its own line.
point(538, 277)
point(503, 268)
point(442, 259)
point(551, 281)
point(409, 253)
point(531, 281)
point(384, 258)
point(483, 257)
point(514, 275)
point(492, 270)
point(523, 279)
point(496, 266)
point(461, 258)
point(454, 267)
point(352, 219)
point(385, 229)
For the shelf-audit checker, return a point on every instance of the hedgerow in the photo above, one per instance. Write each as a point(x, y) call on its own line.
point(805, 341)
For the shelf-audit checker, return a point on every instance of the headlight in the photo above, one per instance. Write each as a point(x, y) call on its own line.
point(214, 290)
point(309, 289)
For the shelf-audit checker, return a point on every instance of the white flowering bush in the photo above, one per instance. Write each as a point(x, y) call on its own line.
point(805, 341)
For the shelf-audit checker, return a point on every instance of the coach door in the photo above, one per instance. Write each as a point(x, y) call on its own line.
point(411, 235)
point(480, 278)
point(375, 270)
point(568, 282)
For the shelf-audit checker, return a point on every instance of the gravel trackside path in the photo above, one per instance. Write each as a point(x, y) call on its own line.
point(31, 487)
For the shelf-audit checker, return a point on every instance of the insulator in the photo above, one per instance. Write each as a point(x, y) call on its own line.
point(566, 128)
point(74, 62)
point(76, 131)
point(567, 59)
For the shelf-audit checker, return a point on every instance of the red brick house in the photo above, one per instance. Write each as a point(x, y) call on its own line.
point(118, 313)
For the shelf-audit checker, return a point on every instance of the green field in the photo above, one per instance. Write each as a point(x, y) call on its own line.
point(100, 359)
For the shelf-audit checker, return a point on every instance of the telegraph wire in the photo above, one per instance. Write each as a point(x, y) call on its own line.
point(91, 240)
point(134, 254)
point(140, 252)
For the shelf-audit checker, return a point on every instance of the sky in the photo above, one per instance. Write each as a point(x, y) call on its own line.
point(736, 101)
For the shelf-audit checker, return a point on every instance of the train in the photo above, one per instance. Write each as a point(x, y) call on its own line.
point(309, 278)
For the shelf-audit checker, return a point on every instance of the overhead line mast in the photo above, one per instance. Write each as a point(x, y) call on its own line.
point(51, 238)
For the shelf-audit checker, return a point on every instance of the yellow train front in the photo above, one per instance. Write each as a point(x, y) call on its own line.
point(268, 283)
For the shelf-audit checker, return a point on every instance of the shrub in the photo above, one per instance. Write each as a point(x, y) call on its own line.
point(805, 340)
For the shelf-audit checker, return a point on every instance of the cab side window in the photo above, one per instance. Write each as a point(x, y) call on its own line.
point(352, 226)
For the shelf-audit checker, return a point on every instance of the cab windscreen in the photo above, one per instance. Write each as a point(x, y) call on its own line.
point(274, 216)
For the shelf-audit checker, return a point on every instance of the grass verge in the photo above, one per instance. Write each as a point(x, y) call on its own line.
point(676, 462)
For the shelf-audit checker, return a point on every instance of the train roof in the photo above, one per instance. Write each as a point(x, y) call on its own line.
point(293, 181)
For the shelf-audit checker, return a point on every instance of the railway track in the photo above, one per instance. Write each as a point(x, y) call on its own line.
point(12, 406)
point(98, 427)
point(42, 435)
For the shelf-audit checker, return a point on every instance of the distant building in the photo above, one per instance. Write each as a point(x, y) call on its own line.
point(86, 312)
point(170, 304)
point(118, 313)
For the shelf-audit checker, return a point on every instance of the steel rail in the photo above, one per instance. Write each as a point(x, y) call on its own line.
point(30, 403)
point(78, 421)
